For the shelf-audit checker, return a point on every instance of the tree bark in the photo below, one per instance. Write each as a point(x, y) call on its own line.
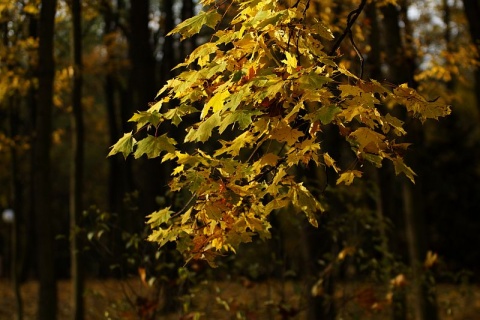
point(472, 12)
point(77, 164)
point(401, 63)
point(151, 179)
point(47, 302)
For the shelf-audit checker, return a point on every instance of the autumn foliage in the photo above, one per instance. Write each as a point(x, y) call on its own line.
point(262, 91)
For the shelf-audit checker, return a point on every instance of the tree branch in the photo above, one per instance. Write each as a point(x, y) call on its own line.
point(352, 17)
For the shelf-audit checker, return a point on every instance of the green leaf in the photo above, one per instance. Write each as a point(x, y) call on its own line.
point(193, 25)
point(325, 114)
point(242, 117)
point(196, 180)
point(160, 217)
point(145, 117)
point(313, 81)
point(322, 30)
point(204, 131)
point(124, 145)
point(153, 146)
point(176, 114)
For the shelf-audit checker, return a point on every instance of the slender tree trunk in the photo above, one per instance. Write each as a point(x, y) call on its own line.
point(393, 48)
point(16, 202)
point(472, 12)
point(151, 180)
point(187, 45)
point(169, 58)
point(11, 106)
point(76, 169)
point(120, 171)
point(401, 63)
point(47, 297)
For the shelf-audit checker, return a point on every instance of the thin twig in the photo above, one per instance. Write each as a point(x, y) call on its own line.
point(179, 212)
point(352, 17)
point(359, 54)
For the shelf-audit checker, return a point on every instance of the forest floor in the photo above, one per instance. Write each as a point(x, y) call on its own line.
point(242, 299)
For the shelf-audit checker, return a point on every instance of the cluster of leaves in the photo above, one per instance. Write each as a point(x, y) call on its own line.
point(263, 89)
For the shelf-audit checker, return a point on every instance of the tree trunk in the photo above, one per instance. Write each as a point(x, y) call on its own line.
point(151, 179)
point(401, 63)
point(472, 12)
point(169, 58)
point(16, 203)
point(77, 162)
point(187, 45)
point(47, 301)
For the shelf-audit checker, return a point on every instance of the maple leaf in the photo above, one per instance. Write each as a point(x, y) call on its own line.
point(305, 201)
point(242, 117)
point(329, 162)
point(216, 103)
point(275, 204)
point(324, 114)
point(291, 62)
point(419, 106)
point(322, 30)
point(284, 133)
point(269, 159)
point(234, 147)
point(145, 117)
point(196, 180)
point(313, 81)
point(350, 90)
point(160, 217)
point(194, 24)
point(368, 140)
point(124, 145)
point(153, 146)
point(204, 130)
point(401, 167)
point(176, 114)
point(348, 176)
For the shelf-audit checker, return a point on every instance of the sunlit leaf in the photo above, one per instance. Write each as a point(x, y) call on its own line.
point(124, 145)
point(193, 25)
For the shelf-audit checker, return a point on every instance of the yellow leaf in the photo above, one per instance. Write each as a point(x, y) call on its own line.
point(291, 62)
point(430, 260)
point(346, 252)
point(348, 176)
point(284, 133)
point(269, 159)
point(329, 162)
point(216, 102)
point(177, 170)
point(143, 275)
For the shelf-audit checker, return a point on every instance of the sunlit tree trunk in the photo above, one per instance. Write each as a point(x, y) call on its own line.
point(77, 163)
point(44, 217)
